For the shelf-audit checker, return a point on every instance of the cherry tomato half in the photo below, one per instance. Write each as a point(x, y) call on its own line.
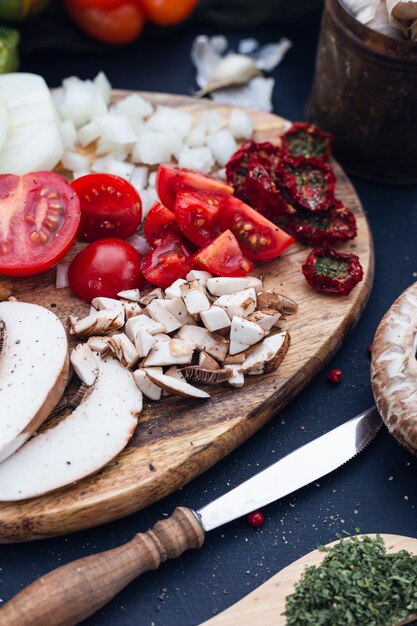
point(170, 178)
point(104, 268)
point(159, 222)
point(167, 12)
point(114, 23)
point(39, 220)
point(223, 257)
point(259, 239)
point(196, 213)
point(170, 260)
point(110, 206)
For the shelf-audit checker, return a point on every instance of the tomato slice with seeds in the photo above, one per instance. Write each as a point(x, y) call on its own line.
point(159, 222)
point(39, 220)
point(110, 206)
point(259, 239)
point(170, 178)
point(197, 213)
point(223, 257)
point(167, 262)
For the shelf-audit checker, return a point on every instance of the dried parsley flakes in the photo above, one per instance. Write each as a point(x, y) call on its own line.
point(357, 583)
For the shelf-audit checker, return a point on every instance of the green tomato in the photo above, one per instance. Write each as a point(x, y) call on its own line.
point(17, 10)
point(9, 54)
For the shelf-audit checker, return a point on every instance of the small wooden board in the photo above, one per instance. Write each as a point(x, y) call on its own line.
point(266, 604)
point(178, 439)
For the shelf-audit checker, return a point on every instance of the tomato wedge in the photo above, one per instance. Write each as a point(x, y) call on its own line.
point(259, 239)
point(39, 220)
point(196, 213)
point(223, 257)
point(170, 178)
point(170, 260)
point(159, 222)
point(110, 206)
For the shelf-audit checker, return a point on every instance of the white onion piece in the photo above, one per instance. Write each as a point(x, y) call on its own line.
point(148, 197)
point(103, 86)
point(223, 145)
point(81, 101)
point(213, 121)
point(154, 147)
point(88, 133)
point(133, 106)
point(69, 134)
point(240, 124)
point(62, 275)
point(139, 243)
point(74, 161)
point(200, 159)
point(196, 137)
point(152, 179)
point(139, 178)
point(116, 129)
point(168, 118)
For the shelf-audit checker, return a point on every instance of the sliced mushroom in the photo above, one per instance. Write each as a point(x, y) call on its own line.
point(215, 345)
point(174, 291)
point(110, 304)
point(84, 363)
point(265, 319)
point(215, 318)
point(235, 359)
point(225, 285)
point(276, 301)
point(255, 283)
point(237, 346)
point(142, 322)
point(133, 295)
point(180, 347)
point(394, 368)
point(123, 349)
point(177, 387)
point(33, 371)
point(82, 443)
point(152, 295)
point(175, 373)
point(132, 309)
point(236, 379)
point(159, 311)
point(206, 362)
point(196, 374)
point(146, 386)
point(99, 345)
point(161, 355)
point(144, 342)
point(178, 309)
point(199, 275)
point(244, 332)
point(99, 323)
point(268, 355)
point(194, 297)
point(242, 303)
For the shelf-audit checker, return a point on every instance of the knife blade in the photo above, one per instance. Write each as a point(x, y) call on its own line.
point(299, 468)
point(68, 595)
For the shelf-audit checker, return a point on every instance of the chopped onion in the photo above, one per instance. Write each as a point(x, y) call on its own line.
point(154, 147)
point(62, 275)
point(200, 159)
point(133, 106)
point(74, 161)
point(223, 145)
point(103, 86)
point(240, 124)
point(139, 243)
point(148, 197)
point(168, 118)
point(139, 178)
point(81, 101)
point(88, 133)
point(116, 129)
point(152, 179)
point(197, 136)
point(69, 134)
point(213, 121)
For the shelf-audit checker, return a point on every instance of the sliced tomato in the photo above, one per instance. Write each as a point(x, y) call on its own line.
point(159, 223)
point(104, 268)
point(39, 220)
point(170, 260)
point(259, 239)
point(110, 206)
point(170, 178)
point(223, 257)
point(197, 213)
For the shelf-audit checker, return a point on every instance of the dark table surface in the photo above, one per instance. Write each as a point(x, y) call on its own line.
point(376, 492)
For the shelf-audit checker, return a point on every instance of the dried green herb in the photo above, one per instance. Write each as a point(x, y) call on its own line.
point(359, 584)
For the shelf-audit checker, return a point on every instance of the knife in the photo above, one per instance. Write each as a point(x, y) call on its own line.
point(73, 592)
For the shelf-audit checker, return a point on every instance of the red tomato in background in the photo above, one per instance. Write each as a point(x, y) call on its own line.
point(259, 239)
point(110, 206)
point(223, 257)
point(170, 178)
point(196, 213)
point(170, 260)
point(104, 268)
point(111, 22)
point(167, 12)
point(39, 220)
point(159, 223)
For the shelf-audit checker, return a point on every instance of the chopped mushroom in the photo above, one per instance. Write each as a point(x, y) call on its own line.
point(196, 374)
point(159, 311)
point(6, 290)
point(174, 372)
point(255, 283)
point(268, 355)
point(144, 342)
point(176, 386)
point(146, 386)
point(215, 345)
point(152, 295)
point(224, 286)
point(161, 355)
point(241, 303)
point(215, 318)
point(100, 323)
point(99, 345)
point(194, 297)
point(123, 349)
point(235, 359)
point(174, 291)
point(142, 322)
point(110, 304)
point(265, 319)
point(206, 362)
point(178, 309)
point(276, 301)
point(199, 275)
point(245, 332)
point(133, 295)
point(84, 363)
point(132, 309)
point(236, 379)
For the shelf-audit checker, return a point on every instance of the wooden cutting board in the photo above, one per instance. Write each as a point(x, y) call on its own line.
point(178, 439)
point(265, 605)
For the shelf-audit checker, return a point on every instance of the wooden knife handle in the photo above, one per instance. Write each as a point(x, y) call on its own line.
point(71, 593)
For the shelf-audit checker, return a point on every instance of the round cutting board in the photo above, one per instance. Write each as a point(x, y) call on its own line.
point(178, 439)
point(266, 604)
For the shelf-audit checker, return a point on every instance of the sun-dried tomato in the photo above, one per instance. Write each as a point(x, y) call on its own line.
point(329, 271)
point(309, 183)
point(237, 167)
point(324, 228)
point(307, 140)
point(261, 191)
